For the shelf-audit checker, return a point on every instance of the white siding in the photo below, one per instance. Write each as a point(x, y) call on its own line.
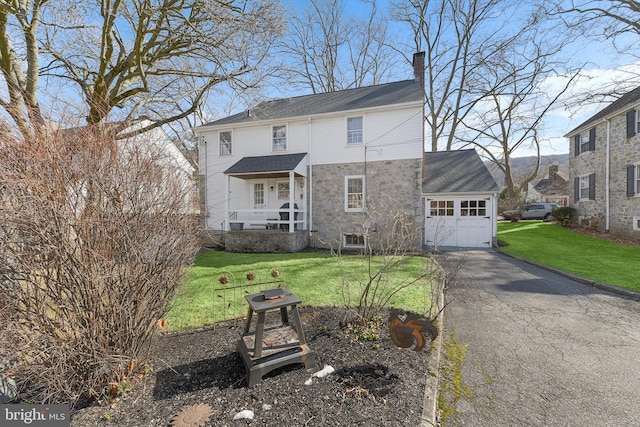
point(389, 134)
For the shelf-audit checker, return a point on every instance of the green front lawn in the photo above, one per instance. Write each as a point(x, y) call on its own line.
point(317, 278)
point(585, 256)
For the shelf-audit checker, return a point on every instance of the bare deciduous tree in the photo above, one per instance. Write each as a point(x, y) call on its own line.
point(96, 236)
point(515, 103)
point(458, 37)
point(142, 58)
point(328, 51)
point(605, 23)
point(21, 20)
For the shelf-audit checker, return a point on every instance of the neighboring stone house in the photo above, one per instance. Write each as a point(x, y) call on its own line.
point(604, 167)
point(553, 188)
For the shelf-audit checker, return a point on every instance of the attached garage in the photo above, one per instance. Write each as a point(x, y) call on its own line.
point(460, 197)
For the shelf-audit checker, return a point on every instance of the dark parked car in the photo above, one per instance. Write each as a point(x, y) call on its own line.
point(533, 211)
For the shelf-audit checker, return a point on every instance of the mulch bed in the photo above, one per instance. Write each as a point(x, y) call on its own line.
point(604, 236)
point(374, 383)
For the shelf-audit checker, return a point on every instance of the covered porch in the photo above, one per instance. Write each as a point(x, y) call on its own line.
point(265, 197)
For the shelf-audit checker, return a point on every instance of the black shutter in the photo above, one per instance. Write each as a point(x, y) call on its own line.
point(631, 123)
point(592, 139)
point(576, 189)
point(576, 144)
point(592, 186)
point(631, 180)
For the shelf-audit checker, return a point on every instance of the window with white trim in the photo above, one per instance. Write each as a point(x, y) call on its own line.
point(353, 240)
point(584, 142)
point(354, 193)
point(354, 130)
point(279, 137)
point(637, 180)
point(225, 143)
point(636, 223)
point(283, 190)
point(584, 187)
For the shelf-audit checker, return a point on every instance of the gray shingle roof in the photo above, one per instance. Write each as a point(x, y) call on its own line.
point(264, 164)
point(627, 99)
point(343, 100)
point(456, 172)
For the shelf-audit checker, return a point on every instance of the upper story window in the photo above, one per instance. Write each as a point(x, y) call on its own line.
point(633, 122)
point(354, 193)
point(586, 141)
point(354, 130)
point(279, 134)
point(225, 143)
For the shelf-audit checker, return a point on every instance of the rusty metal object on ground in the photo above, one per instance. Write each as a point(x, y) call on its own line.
point(407, 329)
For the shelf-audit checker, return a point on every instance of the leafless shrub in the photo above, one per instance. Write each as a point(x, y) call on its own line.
point(96, 235)
point(389, 233)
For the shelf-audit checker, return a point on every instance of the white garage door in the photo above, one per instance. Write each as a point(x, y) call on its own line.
point(458, 221)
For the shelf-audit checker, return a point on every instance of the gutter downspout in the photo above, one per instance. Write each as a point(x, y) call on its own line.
point(310, 196)
point(227, 191)
point(607, 178)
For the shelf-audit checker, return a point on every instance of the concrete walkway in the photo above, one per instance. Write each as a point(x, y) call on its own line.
point(542, 349)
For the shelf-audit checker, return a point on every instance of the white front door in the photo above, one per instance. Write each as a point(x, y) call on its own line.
point(258, 198)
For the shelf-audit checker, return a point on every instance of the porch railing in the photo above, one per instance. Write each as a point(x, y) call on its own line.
point(269, 218)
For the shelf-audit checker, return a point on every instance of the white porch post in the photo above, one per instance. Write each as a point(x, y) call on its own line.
point(227, 190)
point(292, 199)
point(304, 203)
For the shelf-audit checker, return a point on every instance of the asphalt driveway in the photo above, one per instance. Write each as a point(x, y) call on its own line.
point(542, 349)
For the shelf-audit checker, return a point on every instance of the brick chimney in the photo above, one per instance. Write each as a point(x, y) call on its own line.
point(418, 68)
point(553, 174)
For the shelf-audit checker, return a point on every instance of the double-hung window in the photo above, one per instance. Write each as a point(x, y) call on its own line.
point(279, 135)
point(585, 187)
point(584, 142)
point(225, 143)
point(354, 193)
point(354, 130)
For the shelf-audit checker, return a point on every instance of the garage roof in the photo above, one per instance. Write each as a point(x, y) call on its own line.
point(459, 171)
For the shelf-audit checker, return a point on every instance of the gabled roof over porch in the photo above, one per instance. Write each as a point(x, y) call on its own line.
point(272, 166)
point(289, 216)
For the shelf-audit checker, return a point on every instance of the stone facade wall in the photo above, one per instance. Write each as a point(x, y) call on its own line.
point(623, 151)
point(392, 186)
point(268, 241)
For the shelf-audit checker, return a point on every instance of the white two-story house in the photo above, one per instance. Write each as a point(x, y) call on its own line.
point(604, 166)
point(317, 170)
